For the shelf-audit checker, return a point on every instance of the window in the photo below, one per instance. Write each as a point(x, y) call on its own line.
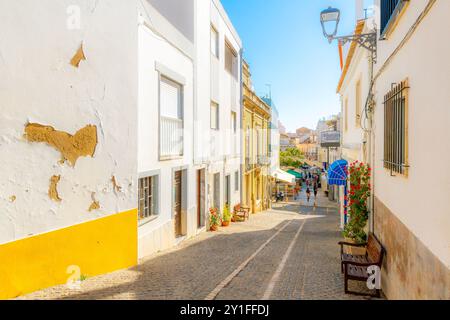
point(214, 42)
point(247, 149)
point(346, 115)
point(233, 122)
point(171, 118)
point(236, 181)
point(395, 129)
point(216, 194)
point(358, 104)
point(148, 202)
point(234, 133)
point(230, 60)
point(389, 10)
point(214, 116)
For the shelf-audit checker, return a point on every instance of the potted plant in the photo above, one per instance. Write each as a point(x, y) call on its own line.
point(226, 216)
point(236, 216)
point(214, 219)
point(356, 229)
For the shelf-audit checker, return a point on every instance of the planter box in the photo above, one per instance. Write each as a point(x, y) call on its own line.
point(354, 250)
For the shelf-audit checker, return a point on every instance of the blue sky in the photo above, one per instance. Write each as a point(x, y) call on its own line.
point(285, 47)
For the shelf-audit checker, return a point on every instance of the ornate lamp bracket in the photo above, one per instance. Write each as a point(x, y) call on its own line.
point(367, 40)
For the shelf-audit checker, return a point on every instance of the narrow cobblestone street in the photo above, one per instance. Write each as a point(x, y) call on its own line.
point(287, 253)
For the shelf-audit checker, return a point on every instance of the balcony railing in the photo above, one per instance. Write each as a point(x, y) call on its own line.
point(248, 164)
point(263, 160)
point(171, 142)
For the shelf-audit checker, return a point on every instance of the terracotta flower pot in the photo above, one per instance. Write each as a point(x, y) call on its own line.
point(225, 223)
point(214, 228)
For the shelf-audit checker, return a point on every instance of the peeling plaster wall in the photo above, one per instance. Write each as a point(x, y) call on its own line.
point(38, 84)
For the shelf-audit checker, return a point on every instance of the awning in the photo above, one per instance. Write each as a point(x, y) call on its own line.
point(296, 174)
point(337, 174)
point(284, 176)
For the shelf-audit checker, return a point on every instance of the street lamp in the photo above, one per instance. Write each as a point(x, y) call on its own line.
point(333, 16)
point(328, 16)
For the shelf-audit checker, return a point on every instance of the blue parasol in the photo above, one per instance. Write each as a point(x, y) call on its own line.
point(337, 174)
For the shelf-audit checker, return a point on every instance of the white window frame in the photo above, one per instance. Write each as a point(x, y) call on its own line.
point(234, 62)
point(216, 51)
point(358, 103)
point(152, 198)
point(217, 126)
point(180, 117)
point(234, 122)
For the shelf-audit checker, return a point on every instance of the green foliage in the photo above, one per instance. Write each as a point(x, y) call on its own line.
point(226, 214)
point(360, 189)
point(291, 157)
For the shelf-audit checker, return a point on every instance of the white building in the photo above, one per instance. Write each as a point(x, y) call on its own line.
point(353, 89)
point(166, 123)
point(189, 153)
point(412, 118)
point(274, 138)
point(219, 114)
point(410, 203)
point(281, 128)
point(327, 156)
point(285, 142)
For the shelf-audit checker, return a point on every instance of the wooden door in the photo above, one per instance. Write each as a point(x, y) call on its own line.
point(217, 191)
point(201, 198)
point(178, 184)
point(228, 190)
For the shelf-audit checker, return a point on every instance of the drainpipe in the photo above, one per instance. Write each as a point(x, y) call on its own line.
point(372, 156)
point(371, 142)
point(241, 107)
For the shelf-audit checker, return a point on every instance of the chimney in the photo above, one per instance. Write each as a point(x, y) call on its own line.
point(359, 10)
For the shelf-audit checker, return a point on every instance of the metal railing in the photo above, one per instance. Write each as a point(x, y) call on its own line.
point(263, 160)
point(171, 137)
point(248, 164)
point(395, 124)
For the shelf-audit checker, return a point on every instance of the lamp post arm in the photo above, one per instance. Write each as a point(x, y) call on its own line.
point(367, 40)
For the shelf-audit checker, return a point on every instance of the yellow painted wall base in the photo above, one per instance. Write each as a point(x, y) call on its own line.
point(96, 247)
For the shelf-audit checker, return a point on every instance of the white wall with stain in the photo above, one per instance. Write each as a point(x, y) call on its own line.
point(420, 200)
point(38, 84)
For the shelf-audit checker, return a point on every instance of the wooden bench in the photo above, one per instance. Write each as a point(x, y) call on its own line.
point(355, 267)
point(242, 212)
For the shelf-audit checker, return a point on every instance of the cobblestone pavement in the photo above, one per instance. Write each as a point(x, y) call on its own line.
point(301, 261)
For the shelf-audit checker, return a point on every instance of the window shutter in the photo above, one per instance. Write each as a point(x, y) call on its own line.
point(214, 42)
point(170, 97)
point(214, 116)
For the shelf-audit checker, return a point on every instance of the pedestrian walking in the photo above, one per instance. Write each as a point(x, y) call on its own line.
point(315, 191)
point(308, 194)
point(297, 191)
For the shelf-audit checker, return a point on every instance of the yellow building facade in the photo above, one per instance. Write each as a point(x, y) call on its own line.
point(256, 150)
